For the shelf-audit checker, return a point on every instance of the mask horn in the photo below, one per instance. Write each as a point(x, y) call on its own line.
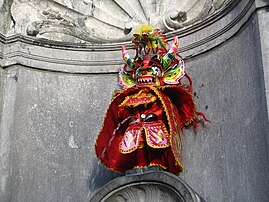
point(128, 60)
point(171, 54)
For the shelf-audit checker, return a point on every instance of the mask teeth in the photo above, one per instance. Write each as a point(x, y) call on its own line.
point(144, 80)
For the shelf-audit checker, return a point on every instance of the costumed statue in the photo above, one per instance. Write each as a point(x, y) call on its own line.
point(143, 124)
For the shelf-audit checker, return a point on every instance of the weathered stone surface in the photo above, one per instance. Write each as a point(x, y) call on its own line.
point(6, 140)
point(5, 17)
point(49, 125)
point(86, 58)
point(262, 21)
point(2, 76)
point(54, 96)
point(263, 27)
point(86, 20)
point(151, 185)
point(231, 155)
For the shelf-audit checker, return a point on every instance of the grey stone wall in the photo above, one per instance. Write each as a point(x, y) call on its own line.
point(5, 22)
point(1, 89)
point(54, 96)
point(263, 36)
point(56, 118)
point(231, 154)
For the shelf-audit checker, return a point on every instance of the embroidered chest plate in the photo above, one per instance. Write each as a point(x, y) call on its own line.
point(140, 98)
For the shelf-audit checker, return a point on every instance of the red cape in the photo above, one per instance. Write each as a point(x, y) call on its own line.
point(180, 110)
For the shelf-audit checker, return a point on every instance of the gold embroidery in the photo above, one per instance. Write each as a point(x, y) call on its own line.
point(171, 132)
point(159, 96)
point(138, 99)
point(157, 164)
point(159, 137)
point(136, 143)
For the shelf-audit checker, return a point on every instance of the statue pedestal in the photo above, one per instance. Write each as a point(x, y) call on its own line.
point(146, 184)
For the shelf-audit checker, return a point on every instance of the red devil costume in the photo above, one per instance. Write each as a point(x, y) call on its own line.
point(143, 124)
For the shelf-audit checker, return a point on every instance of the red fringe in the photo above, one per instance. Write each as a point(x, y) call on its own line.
point(204, 117)
point(190, 81)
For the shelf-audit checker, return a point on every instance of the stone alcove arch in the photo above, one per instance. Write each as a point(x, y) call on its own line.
point(93, 22)
point(57, 45)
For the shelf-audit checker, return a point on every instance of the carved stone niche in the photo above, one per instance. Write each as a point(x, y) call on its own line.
point(149, 186)
point(99, 21)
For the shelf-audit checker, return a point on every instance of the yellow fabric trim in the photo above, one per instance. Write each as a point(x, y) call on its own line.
point(169, 122)
point(188, 122)
point(156, 164)
point(140, 95)
point(157, 146)
point(139, 166)
point(135, 148)
point(113, 98)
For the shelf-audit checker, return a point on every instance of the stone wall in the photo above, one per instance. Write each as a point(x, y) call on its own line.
point(229, 153)
point(55, 120)
point(55, 89)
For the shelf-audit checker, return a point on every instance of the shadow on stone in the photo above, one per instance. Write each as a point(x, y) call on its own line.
point(99, 177)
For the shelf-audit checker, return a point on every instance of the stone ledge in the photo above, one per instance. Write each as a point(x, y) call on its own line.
point(148, 184)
